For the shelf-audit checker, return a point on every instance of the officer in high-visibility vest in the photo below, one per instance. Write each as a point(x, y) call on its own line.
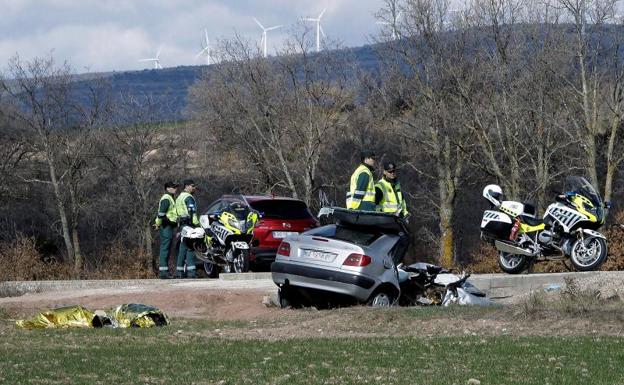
point(388, 195)
point(166, 222)
point(361, 195)
point(389, 199)
point(186, 207)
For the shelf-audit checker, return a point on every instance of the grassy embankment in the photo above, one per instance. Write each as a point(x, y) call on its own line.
point(190, 352)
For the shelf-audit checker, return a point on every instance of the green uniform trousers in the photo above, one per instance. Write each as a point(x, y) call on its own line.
point(185, 254)
point(166, 238)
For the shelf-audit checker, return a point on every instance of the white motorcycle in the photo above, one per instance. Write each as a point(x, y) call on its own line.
point(568, 230)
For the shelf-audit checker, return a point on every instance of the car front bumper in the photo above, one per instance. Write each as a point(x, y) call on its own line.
point(357, 286)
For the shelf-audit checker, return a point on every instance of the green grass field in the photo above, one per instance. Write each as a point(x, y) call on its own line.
point(184, 354)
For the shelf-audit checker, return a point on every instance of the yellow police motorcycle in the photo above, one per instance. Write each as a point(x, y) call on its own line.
point(223, 241)
point(568, 229)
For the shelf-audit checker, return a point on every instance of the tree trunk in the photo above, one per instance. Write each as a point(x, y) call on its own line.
point(446, 188)
point(150, 259)
point(78, 262)
point(61, 209)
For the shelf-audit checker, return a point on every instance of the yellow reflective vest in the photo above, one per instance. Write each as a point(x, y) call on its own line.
point(361, 199)
point(392, 200)
point(183, 210)
point(171, 214)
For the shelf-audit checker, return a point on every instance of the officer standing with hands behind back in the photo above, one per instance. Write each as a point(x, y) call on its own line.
point(186, 207)
point(389, 199)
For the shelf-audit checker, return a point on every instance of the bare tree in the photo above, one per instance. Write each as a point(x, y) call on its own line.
point(144, 152)
point(46, 103)
point(281, 113)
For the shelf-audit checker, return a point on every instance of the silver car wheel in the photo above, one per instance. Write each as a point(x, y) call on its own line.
point(381, 300)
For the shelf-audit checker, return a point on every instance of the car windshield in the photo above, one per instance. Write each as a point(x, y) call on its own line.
point(579, 185)
point(281, 209)
point(347, 234)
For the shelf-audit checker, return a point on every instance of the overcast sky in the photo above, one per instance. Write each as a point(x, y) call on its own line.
point(108, 35)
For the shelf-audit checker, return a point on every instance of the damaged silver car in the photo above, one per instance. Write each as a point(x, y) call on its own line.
point(351, 261)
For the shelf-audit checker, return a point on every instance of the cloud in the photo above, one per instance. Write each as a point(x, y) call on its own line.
point(113, 34)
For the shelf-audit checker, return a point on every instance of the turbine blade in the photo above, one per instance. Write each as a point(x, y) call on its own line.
point(321, 15)
point(206, 36)
point(321, 29)
point(158, 53)
point(146, 59)
point(257, 22)
point(272, 28)
point(308, 19)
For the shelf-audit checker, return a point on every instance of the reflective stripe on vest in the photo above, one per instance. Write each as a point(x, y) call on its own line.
point(353, 203)
point(171, 214)
point(392, 200)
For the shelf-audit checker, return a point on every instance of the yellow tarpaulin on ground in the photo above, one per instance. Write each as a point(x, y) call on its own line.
point(137, 315)
point(64, 317)
point(122, 316)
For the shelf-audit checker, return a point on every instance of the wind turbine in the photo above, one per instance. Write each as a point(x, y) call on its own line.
point(393, 25)
point(155, 59)
point(319, 29)
point(263, 41)
point(205, 49)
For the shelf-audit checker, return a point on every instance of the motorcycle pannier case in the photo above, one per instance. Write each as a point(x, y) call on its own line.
point(496, 225)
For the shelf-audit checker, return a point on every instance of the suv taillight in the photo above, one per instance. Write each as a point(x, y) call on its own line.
point(357, 260)
point(284, 249)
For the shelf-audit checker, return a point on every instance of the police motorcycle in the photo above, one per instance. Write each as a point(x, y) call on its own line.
point(223, 241)
point(568, 230)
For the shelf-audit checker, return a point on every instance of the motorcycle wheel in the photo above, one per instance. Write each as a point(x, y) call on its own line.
point(588, 254)
point(240, 264)
point(511, 263)
point(212, 270)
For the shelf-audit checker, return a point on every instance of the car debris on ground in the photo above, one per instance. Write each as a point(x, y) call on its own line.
point(131, 315)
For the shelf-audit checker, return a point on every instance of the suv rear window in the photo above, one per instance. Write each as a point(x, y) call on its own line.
point(281, 209)
point(347, 234)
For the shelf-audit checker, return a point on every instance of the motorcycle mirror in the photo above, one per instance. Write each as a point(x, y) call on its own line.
point(607, 205)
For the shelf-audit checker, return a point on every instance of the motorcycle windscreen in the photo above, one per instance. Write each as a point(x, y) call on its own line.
point(581, 186)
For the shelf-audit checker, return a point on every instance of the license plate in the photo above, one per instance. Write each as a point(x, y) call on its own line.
point(318, 255)
point(283, 234)
point(240, 245)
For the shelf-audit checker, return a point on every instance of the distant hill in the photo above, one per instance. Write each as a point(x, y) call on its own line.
point(169, 86)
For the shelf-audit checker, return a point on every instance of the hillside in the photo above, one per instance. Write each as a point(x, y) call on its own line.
point(168, 87)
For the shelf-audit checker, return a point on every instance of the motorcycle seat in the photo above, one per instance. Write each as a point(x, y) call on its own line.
point(530, 220)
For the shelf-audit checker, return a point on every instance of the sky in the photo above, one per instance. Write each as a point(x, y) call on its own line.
point(112, 35)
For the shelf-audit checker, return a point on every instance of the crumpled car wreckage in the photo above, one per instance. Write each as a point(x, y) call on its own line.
point(123, 316)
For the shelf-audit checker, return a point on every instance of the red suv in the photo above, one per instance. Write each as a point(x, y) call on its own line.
point(279, 217)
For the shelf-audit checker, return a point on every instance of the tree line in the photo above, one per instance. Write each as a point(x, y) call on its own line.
point(515, 92)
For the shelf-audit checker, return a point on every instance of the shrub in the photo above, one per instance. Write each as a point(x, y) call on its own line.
point(120, 262)
point(22, 261)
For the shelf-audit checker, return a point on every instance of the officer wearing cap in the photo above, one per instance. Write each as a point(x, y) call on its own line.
point(166, 222)
point(388, 195)
point(361, 195)
point(389, 199)
point(186, 207)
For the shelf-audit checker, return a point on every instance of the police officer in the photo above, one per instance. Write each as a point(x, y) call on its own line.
point(166, 222)
point(361, 195)
point(388, 195)
point(186, 207)
point(389, 199)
